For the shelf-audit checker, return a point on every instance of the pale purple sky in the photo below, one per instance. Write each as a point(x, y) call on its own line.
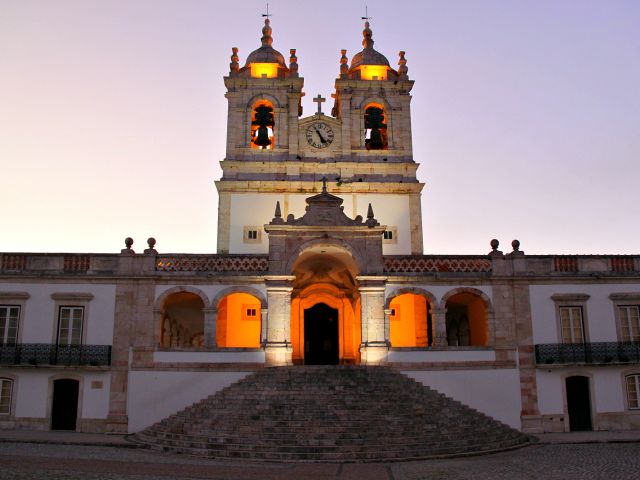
point(526, 116)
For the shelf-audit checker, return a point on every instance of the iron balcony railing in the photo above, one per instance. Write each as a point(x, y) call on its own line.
point(588, 353)
point(53, 354)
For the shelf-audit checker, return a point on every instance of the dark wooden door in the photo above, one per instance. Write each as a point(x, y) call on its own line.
point(64, 410)
point(578, 403)
point(321, 335)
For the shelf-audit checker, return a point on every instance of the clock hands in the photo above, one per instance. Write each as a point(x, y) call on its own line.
point(322, 139)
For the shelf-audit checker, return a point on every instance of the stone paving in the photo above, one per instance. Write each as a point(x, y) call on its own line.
point(29, 461)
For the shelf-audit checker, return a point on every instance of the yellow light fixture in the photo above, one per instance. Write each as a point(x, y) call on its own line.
point(264, 70)
point(374, 72)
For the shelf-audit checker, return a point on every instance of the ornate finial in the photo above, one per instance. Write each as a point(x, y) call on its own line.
point(234, 66)
point(293, 63)
point(344, 68)
point(367, 41)
point(516, 245)
point(324, 184)
point(266, 30)
point(402, 70)
point(128, 242)
point(151, 250)
point(369, 212)
point(495, 243)
point(278, 213)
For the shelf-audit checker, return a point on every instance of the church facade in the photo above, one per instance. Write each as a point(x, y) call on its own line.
point(319, 261)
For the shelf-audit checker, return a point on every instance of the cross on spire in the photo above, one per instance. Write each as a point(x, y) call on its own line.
point(366, 14)
point(319, 100)
point(267, 14)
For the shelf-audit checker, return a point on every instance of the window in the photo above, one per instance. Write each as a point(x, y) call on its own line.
point(262, 125)
point(633, 391)
point(251, 312)
point(70, 325)
point(252, 234)
point(571, 324)
point(571, 311)
point(9, 315)
point(390, 235)
point(6, 386)
point(375, 128)
point(629, 322)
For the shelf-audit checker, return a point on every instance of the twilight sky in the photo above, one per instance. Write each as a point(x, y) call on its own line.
point(526, 116)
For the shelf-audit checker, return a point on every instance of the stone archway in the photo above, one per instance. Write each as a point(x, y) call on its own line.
point(325, 274)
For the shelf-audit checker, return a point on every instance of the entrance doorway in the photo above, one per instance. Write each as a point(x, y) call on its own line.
point(578, 403)
point(64, 410)
point(321, 345)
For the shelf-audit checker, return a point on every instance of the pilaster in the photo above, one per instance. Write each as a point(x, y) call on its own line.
point(375, 341)
point(277, 346)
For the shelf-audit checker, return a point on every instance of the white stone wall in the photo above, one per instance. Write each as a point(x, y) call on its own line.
point(40, 316)
point(258, 209)
point(153, 396)
point(493, 392)
point(33, 392)
point(607, 388)
point(599, 315)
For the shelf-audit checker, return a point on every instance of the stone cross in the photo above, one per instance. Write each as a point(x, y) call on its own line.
point(319, 100)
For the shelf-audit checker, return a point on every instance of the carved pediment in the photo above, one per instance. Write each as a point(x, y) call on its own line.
point(325, 209)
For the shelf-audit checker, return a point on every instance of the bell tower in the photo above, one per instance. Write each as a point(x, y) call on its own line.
point(264, 103)
point(372, 102)
point(363, 148)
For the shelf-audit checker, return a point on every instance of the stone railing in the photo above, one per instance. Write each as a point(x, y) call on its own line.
point(588, 353)
point(436, 264)
point(213, 263)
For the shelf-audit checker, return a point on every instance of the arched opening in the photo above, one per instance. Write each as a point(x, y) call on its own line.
point(578, 403)
point(64, 407)
point(239, 320)
point(466, 320)
point(410, 322)
point(325, 307)
point(182, 321)
point(262, 125)
point(375, 127)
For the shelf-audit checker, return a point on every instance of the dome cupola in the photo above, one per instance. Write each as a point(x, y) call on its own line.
point(266, 60)
point(369, 64)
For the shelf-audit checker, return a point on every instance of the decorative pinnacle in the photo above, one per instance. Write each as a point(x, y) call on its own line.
point(515, 245)
point(266, 39)
point(367, 41)
point(278, 213)
point(494, 244)
point(370, 212)
point(324, 184)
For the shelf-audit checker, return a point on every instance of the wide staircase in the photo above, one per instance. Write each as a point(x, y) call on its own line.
point(329, 414)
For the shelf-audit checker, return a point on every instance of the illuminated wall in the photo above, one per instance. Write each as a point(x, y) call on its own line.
point(238, 323)
point(408, 323)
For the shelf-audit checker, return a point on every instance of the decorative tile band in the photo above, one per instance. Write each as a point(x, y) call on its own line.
point(432, 264)
point(213, 263)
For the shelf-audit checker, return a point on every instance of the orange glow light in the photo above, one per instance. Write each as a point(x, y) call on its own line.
point(367, 72)
point(264, 70)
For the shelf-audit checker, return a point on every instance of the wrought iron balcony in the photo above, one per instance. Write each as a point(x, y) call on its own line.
point(52, 354)
point(588, 353)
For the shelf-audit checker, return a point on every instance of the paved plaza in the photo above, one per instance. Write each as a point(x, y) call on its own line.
point(26, 461)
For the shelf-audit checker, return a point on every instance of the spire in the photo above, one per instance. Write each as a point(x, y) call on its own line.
point(370, 212)
point(367, 41)
point(266, 39)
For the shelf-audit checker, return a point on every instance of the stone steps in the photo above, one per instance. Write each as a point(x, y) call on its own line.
point(327, 414)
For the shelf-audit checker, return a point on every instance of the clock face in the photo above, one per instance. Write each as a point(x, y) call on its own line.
point(319, 135)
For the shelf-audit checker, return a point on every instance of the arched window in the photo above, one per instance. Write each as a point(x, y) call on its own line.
point(633, 391)
point(375, 127)
point(262, 125)
point(466, 320)
point(182, 321)
point(410, 321)
point(238, 323)
point(6, 387)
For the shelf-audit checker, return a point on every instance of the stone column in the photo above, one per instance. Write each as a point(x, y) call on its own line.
point(375, 342)
point(210, 326)
point(277, 346)
point(439, 322)
point(387, 325)
point(264, 315)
